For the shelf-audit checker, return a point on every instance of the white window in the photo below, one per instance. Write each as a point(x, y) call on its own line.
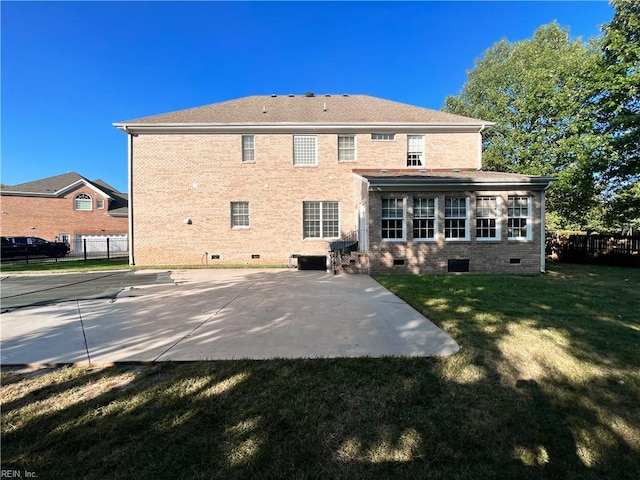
point(321, 219)
point(383, 136)
point(519, 217)
point(415, 150)
point(487, 218)
point(64, 238)
point(240, 214)
point(393, 219)
point(305, 150)
point(100, 204)
point(83, 202)
point(456, 218)
point(425, 219)
point(248, 148)
point(346, 148)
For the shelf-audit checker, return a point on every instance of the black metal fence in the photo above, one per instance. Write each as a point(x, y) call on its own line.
point(622, 250)
point(81, 249)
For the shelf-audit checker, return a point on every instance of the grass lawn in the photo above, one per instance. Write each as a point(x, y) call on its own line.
point(546, 385)
point(51, 266)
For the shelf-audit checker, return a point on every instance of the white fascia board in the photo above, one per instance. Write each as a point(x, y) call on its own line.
point(58, 193)
point(74, 185)
point(375, 127)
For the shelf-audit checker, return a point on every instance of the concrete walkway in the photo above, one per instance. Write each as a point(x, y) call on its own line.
point(224, 314)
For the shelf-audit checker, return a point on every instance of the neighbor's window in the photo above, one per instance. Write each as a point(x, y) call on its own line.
point(64, 238)
point(248, 148)
point(346, 148)
point(383, 136)
point(519, 217)
point(83, 202)
point(239, 214)
point(425, 218)
point(321, 219)
point(487, 218)
point(415, 150)
point(393, 212)
point(456, 219)
point(305, 150)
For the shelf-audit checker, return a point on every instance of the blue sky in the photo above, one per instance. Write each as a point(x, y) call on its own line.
point(71, 69)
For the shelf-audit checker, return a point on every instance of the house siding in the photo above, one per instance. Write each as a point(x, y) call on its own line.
point(47, 217)
point(485, 256)
point(176, 177)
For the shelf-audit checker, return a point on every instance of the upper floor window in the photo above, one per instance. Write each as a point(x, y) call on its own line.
point(100, 204)
point(321, 219)
point(346, 148)
point(83, 202)
point(519, 217)
point(248, 148)
point(415, 150)
point(425, 220)
point(383, 136)
point(393, 211)
point(487, 218)
point(305, 150)
point(456, 218)
point(239, 214)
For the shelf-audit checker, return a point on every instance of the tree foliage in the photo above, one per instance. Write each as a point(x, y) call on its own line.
point(539, 95)
point(618, 113)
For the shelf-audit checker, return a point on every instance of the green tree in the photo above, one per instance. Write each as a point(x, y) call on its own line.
point(618, 113)
point(540, 96)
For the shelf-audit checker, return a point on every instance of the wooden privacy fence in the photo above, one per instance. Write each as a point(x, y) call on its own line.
point(596, 249)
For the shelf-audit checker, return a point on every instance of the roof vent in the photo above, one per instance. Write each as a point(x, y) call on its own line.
point(324, 107)
point(384, 170)
point(345, 94)
point(309, 94)
point(264, 109)
point(291, 94)
point(327, 94)
point(274, 95)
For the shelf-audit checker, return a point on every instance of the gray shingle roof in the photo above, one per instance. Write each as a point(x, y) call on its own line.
point(52, 186)
point(338, 109)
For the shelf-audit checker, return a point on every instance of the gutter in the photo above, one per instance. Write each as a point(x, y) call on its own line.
point(543, 228)
point(130, 195)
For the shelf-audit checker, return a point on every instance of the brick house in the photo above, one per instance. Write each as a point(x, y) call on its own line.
point(371, 184)
point(67, 207)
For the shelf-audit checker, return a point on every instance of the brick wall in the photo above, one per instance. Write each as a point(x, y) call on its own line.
point(493, 256)
point(49, 217)
point(196, 177)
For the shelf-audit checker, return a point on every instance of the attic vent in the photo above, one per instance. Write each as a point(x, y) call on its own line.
point(274, 95)
point(309, 94)
point(345, 94)
point(327, 94)
point(291, 94)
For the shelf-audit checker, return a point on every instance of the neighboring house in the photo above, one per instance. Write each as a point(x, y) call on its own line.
point(68, 208)
point(265, 179)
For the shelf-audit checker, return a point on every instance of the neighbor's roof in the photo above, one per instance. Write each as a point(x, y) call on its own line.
point(303, 109)
point(58, 185)
point(406, 179)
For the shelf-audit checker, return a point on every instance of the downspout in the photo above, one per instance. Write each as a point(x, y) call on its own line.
point(480, 146)
point(543, 228)
point(130, 187)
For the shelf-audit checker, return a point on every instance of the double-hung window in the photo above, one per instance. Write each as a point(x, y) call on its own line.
point(393, 219)
point(321, 219)
point(487, 218)
point(425, 221)
point(248, 148)
point(305, 150)
point(519, 217)
point(83, 202)
point(346, 148)
point(456, 218)
point(415, 150)
point(239, 214)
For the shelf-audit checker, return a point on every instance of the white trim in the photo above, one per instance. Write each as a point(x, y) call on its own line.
point(467, 221)
point(404, 220)
point(498, 219)
point(284, 127)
